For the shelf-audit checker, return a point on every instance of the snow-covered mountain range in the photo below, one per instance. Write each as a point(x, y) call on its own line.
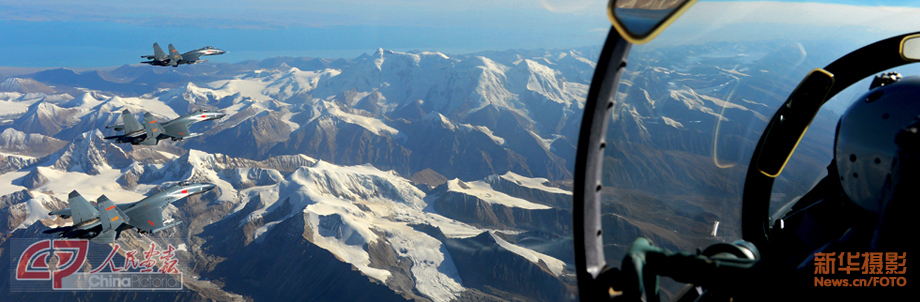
point(414, 175)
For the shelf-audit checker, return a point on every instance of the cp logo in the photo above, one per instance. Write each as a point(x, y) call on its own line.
point(34, 261)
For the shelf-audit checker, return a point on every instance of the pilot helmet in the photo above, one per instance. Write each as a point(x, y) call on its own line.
point(865, 149)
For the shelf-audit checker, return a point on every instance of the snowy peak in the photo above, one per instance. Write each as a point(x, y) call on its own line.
point(574, 57)
point(27, 99)
point(501, 205)
point(189, 97)
point(86, 101)
point(46, 109)
point(362, 215)
point(456, 87)
point(285, 66)
point(32, 144)
point(400, 77)
point(438, 119)
point(45, 118)
point(21, 209)
point(24, 86)
point(511, 267)
point(363, 182)
point(371, 102)
point(483, 191)
point(490, 86)
point(273, 84)
point(533, 79)
point(435, 119)
point(555, 266)
point(197, 165)
point(533, 183)
point(89, 153)
point(294, 81)
point(327, 113)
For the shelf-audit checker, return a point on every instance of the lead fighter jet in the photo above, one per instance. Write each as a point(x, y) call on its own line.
point(104, 223)
point(160, 58)
point(152, 131)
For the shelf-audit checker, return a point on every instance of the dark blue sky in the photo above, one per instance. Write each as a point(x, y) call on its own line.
point(85, 44)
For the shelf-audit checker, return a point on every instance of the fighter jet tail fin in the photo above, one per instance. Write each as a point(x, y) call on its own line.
point(153, 129)
point(174, 56)
point(158, 52)
point(131, 124)
point(110, 216)
point(80, 209)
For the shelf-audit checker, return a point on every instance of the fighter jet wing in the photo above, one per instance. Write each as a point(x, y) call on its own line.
point(105, 237)
point(191, 56)
point(147, 219)
point(178, 129)
point(80, 209)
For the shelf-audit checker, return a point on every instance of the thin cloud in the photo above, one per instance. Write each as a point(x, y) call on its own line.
point(574, 6)
point(802, 13)
point(750, 21)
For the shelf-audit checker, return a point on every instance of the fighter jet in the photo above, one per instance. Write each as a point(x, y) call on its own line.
point(105, 223)
point(160, 58)
point(152, 131)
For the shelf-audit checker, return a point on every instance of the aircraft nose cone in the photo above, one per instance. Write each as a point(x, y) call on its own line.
point(208, 187)
point(221, 114)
